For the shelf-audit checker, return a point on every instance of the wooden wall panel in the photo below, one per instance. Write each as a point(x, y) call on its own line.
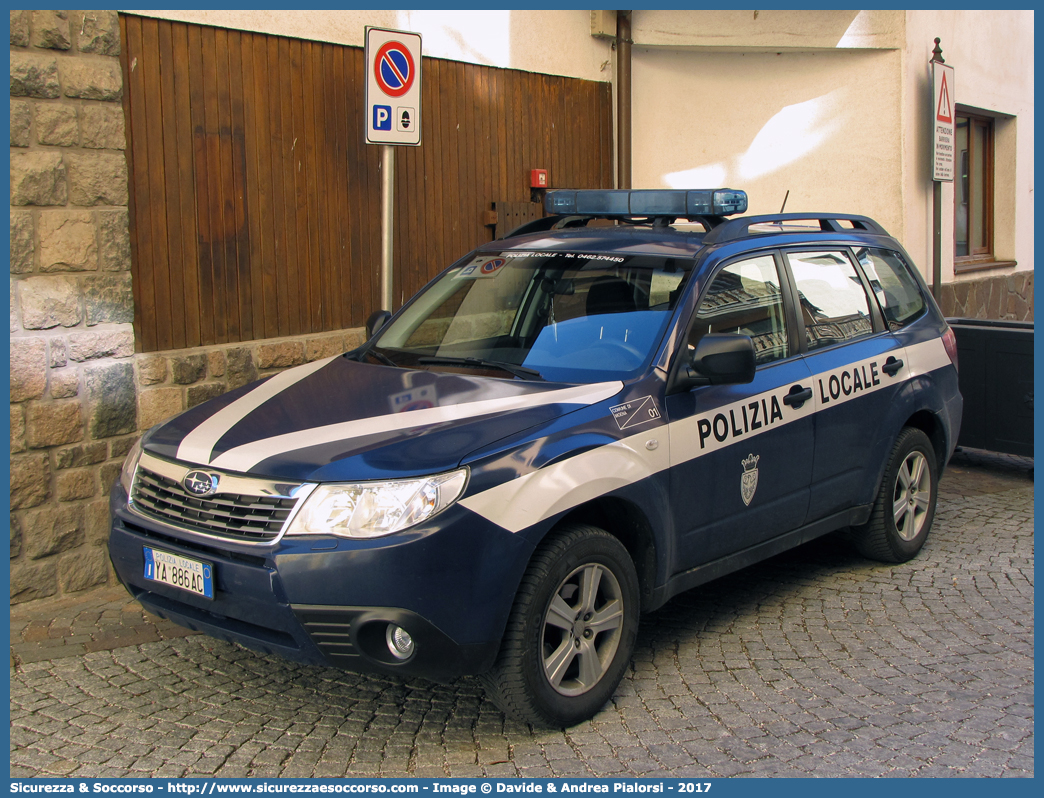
point(255, 199)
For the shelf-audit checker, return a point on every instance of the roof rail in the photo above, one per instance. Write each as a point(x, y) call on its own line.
point(562, 223)
point(566, 221)
point(735, 229)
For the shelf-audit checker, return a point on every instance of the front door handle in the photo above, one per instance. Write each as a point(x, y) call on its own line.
point(797, 396)
point(892, 366)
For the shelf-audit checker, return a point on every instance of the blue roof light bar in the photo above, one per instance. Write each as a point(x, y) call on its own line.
point(647, 202)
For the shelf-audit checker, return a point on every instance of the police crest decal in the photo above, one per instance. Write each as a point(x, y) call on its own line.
point(749, 480)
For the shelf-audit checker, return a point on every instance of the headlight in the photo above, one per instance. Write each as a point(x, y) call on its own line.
point(372, 509)
point(129, 465)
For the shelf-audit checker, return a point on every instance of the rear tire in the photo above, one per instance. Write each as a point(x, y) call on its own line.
point(571, 632)
point(905, 506)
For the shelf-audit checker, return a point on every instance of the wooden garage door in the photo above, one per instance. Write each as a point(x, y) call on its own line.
point(255, 201)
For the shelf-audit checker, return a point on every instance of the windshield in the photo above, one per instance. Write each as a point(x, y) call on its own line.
point(567, 316)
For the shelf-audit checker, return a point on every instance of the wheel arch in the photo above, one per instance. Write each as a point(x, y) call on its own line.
point(626, 522)
point(928, 423)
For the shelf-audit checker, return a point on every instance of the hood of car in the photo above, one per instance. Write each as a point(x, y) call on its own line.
point(340, 420)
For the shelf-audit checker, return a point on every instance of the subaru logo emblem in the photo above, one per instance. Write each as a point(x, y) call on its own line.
point(200, 483)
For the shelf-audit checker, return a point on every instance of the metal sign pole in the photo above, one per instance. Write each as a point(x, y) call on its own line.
point(393, 104)
point(387, 224)
point(943, 153)
point(937, 241)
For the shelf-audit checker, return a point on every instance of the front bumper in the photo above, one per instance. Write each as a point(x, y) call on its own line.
point(328, 601)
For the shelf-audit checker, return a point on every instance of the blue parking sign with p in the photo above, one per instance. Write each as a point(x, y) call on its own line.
point(382, 117)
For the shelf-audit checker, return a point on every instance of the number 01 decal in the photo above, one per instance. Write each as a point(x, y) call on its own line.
point(639, 411)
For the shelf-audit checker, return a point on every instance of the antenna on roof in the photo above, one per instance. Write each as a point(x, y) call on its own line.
point(785, 201)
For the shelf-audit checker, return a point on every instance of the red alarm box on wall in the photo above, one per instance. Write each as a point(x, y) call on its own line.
point(538, 178)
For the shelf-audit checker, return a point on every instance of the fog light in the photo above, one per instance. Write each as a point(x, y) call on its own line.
point(400, 644)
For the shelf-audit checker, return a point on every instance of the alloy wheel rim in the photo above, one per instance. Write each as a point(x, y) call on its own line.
point(912, 496)
point(581, 629)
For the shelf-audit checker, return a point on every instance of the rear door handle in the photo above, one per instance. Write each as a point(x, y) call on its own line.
point(797, 396)
point(892, 366)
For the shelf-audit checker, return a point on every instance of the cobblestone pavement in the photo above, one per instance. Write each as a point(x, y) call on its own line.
point(813, 663)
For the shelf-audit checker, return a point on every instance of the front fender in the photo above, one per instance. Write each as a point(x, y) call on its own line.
point(567, 482)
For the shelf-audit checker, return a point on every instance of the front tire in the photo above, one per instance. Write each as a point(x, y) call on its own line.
point(905, 506)
point(571, 633)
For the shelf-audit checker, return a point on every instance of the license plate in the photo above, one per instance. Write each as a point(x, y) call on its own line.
point(180, 572)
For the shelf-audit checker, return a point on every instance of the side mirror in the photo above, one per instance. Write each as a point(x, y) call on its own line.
point(376, 322)
point(719, 359)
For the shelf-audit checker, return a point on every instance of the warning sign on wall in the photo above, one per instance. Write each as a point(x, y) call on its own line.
point(944, 141)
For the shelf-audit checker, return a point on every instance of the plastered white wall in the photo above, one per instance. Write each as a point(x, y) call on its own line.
point(751, 31)
point(822, 125)
point(834, 106)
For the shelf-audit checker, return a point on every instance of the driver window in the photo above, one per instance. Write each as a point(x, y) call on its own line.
point(745, 298)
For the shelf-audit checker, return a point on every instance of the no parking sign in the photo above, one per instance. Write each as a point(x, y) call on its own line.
point(393, 86)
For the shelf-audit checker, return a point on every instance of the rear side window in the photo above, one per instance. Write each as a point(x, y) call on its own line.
point(834, 306)
point(896, 289)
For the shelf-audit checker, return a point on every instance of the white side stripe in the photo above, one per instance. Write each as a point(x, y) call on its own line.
point(837, 386)
point(245, 457)
point(698, 435)
point(723, 426)
point(926, 356)
point(198, 445)
point(539, 495)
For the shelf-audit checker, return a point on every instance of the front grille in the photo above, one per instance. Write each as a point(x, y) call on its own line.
point(232, 516)
point(211, 551)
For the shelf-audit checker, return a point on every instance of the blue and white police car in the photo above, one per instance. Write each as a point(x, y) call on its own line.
point(623, 400)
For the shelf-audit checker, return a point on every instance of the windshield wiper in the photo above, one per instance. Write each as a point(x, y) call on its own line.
point(387, 361)
point(519, 371)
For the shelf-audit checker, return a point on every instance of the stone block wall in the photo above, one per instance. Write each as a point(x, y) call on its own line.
point(169, 382)
point(73, 401)
point(1008, 297)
